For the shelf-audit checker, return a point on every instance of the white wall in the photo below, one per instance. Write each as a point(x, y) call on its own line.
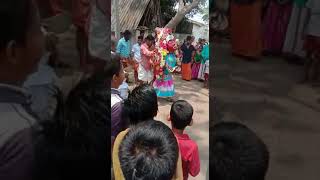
point(200, 32)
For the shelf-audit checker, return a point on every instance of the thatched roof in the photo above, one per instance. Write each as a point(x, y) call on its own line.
point(131, 12)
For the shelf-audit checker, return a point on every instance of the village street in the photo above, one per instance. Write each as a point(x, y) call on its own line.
point(191, 91)
point(265, 96)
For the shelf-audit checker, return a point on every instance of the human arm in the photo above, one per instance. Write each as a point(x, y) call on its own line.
point(145, 51)
point(194, 168)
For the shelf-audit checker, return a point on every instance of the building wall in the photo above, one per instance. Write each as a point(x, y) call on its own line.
point(200, 32)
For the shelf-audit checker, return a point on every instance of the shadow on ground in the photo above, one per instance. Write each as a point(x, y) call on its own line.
point(265, 96)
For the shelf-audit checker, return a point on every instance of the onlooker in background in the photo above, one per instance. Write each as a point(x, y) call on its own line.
point(145, 71)
point(137, 57)
point(149, 151)
point(42, 85)
point(76, 144)
point(236, 152)
point(124, 48)
point(21, 47)
point(115, 70)
point(193, 41)
point(197, 63)
point(99, 34)
point(188, 52)
point(312, 42)
point(181, 116)
point(80, 14)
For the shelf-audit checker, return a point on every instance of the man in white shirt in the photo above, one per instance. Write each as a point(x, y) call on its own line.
point(137, 57)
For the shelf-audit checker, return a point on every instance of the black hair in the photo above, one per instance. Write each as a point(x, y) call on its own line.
point(16, 17)
point(141, 104)
point(127, 33)
point(114, 66)
point(140, 37)
point(181, 114)
point(150, 38)
point(236, 153)
point(149, 151)
point(74, 145)
point(189, 38)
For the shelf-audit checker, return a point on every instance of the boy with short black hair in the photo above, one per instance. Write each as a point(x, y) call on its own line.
point(181, 116)
point(115, 69)
point(149, 151)
point(21, 47)
point(236, 153)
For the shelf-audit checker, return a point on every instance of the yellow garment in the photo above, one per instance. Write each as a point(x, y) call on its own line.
point(116, 161)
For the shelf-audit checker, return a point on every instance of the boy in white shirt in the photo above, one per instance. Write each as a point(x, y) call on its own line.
point(137, 57)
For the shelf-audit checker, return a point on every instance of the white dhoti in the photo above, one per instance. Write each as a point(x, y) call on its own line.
point(144, 75)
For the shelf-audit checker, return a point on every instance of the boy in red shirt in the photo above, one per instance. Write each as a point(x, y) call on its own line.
point(181, 116)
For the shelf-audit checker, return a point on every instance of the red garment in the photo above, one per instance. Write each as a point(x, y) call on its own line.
point(246, 29)
point(80, 13)
point(57, 6)
point(147, 56)
point(189, 155)
point(186, 71)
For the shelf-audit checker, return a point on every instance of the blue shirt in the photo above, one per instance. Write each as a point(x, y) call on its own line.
point(124, 48)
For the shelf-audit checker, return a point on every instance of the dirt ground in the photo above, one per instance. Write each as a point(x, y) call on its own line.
point(265, 96)
point(191, 91)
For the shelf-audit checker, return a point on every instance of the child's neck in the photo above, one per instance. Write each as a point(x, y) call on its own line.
point(177, 131)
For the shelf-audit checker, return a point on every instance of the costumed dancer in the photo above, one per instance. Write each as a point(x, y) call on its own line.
point(166, 65)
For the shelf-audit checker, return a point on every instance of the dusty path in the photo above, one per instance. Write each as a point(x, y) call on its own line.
point(265, 96)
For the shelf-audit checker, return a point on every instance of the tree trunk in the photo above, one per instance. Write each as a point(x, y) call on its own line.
point(182, 11)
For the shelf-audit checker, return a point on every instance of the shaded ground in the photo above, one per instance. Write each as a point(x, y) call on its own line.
point(265, 96)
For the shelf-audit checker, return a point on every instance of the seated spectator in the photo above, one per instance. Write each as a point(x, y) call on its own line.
point(149, 151)
point(236, 153)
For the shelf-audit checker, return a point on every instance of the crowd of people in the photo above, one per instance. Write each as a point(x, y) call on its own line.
point(73, 141)
point(278, 27)
point(193, 58)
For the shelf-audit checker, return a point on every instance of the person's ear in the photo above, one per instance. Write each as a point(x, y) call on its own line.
point(11, 52)
point(169, 118)
point(191, 123)
point(114, 77)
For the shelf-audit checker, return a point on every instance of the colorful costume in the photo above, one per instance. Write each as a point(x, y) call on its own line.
point(165, 63)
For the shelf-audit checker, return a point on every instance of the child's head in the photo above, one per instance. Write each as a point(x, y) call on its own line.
point(236, 153)
point(113, 44)
point(75, 143)
point(150, 40)
point(140, 39)
point(181, 114)
point(127, 35)
point(21, 41)
point(149, 151)
point(115, 70)
point(141, 104)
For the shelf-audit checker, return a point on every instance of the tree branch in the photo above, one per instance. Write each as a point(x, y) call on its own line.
point(183, 10)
